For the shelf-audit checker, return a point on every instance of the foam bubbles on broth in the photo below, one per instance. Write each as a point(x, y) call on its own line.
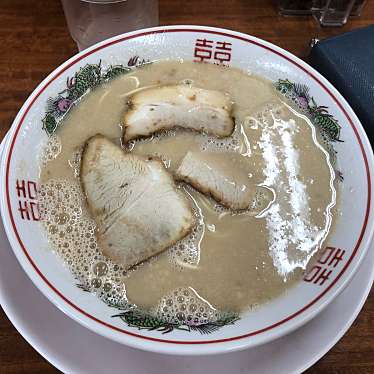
point(72, 234)
point(50, 150)
point(185, 306)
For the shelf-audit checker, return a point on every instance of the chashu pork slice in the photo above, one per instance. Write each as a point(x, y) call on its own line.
point(161, 108)
point(136, 205)
point(219, 178)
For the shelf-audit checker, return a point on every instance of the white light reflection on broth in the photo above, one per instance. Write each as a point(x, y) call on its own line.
point(290, 228)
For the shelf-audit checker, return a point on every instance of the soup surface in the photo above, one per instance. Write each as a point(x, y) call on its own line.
point(233, 260)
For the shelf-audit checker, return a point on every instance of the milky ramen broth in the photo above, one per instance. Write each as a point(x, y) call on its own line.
point(231, 261)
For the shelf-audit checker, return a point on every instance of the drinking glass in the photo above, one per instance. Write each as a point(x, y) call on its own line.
point(336, 12)
point(91, 21)
point(327, 12)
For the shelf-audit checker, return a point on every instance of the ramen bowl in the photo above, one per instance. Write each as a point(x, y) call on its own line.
point(341, 255)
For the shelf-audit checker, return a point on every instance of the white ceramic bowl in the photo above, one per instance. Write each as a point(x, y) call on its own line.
point(345, 249)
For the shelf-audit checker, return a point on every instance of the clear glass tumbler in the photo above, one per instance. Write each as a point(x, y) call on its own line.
point(327, 12)
point(336, 12)
point(91, 21)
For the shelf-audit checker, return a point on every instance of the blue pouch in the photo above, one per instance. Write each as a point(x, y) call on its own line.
point(347, 61)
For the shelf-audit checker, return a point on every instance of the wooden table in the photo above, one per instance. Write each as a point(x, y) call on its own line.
point(34, 40)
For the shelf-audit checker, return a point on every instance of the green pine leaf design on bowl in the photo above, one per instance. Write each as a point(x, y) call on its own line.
point(299, 94)
point(145, 321)
point(84, 80)
point(328, 126)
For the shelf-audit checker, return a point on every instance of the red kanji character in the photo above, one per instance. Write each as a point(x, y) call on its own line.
point(223, 52)
point(203, 50)
point(24, 210)
point(32, 190)
point(317, 274)
point(326, 255)
point(312, 273)
point(323, 276)
point(21, 188)
point(338, 256)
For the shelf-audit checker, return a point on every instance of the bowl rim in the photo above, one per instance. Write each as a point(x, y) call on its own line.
point(206, 346)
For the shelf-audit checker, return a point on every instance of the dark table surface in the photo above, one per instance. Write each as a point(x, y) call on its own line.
point(34, 40)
